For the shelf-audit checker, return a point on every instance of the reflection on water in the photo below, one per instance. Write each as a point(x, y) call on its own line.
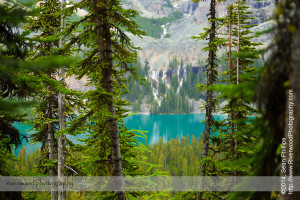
point(164, 126)
point(168, 126)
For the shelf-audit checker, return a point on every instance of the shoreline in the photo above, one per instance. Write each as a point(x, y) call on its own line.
point(141, 113)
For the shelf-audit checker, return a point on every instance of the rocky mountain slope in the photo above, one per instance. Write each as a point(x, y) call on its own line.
point(170, 25)
point(178, 42)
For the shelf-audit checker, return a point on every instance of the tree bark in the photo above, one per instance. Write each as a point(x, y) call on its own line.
point(238, 47)
point(209, 94)
point(230, 77)
point(106, 62)
point(295, 85)
point(238, 67)
point(61, 109)
point(51, 147)
point(293, 103)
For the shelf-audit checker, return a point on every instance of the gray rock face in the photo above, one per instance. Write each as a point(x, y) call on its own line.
point(188, 7)
point(179, 43)
point(153, 8)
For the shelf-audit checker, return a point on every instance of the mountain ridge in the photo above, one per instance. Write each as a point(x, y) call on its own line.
point(179, 43)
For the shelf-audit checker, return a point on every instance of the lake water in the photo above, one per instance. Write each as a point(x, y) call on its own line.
point(164, 126)
point(168, 126)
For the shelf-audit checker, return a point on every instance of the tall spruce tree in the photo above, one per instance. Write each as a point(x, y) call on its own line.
point(105, 66)
point(273, 95)
point(45, 26)
point(244, 57)
point(242, 51)
point(12, 46)
point(210, 35)
point(18, 79)
point(61, 157)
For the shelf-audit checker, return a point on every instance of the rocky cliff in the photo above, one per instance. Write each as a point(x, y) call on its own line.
point(178, 43)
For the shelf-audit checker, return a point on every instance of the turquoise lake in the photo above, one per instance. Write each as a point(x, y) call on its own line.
point(165, 126)
point(168, 126)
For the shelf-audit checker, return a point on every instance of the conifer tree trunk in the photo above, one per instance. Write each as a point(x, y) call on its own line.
point(230, 77)
point(238, 47)
point(295, 85)
point(106, 62)
point(51, 147)
point(61, 109)
point(209, 94)
point(272, 94)
point(51, 157)
point(238, 64)
point(209, 98)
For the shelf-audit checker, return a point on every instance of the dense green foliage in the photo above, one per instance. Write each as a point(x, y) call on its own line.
point(17, 84)
point(237, 135)
point(19, 81)
point(236, 132)
point(110, 148)
point(178, 157)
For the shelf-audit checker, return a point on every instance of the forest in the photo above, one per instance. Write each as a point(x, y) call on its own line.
point(254, 85)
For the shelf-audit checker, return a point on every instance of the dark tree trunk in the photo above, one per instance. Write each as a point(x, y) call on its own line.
point(238, 47)
point(61, 109)
point(61, 145)
point(232, 143)
point(293, 102)
point(51, 146)
point(295, 85)
point(106, 60)
point(209, 94)
point(272, 94)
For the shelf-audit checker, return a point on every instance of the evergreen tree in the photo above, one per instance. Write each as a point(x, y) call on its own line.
point(13, 49)
point(210, 34)
point(61, 157)
point(46, 25)
point(161, 88)
point(245, 55)
point(106, 66)
point(146, 68)
point(234, 132)
point(272, 94)
point(18, 80)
